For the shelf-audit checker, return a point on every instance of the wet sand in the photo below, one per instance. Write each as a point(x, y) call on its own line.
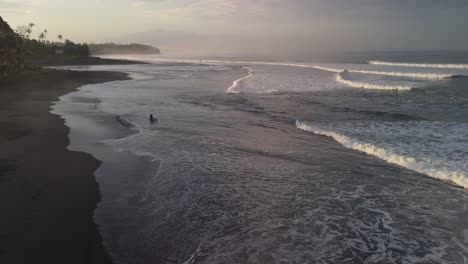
point(47, 193)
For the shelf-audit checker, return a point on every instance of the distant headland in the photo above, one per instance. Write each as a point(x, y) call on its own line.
point(114, 48)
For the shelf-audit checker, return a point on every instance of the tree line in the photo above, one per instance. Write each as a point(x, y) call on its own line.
point(42, 46)
point(11, 51)
point(114, 48)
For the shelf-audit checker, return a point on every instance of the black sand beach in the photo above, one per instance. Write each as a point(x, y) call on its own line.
point(68, 61)
point(47, 193)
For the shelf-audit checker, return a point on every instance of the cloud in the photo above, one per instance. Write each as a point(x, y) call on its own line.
point(10, 5)
point(189, 9)
point(143, 3)
point(294, 11)
point(160, 37)
point(207, 8)
point(139, 3)
point(293, 24)
point(18, 6)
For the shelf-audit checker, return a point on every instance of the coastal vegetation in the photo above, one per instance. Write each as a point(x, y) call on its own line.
point(19, 48)
point(42, 46)
point(114, 48)
point(68, 48)
point(11, 51)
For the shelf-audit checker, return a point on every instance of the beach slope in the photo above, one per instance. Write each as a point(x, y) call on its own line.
point(47, 193)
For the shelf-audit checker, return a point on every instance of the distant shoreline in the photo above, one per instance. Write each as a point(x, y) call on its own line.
point(48, 192)
point(75, 61)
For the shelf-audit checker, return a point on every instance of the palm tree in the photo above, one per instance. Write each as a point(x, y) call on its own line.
point(11, 50)
point(29, 31)
point(22, 31)
point(45, 33)
point(42, 36)
point(60, 37)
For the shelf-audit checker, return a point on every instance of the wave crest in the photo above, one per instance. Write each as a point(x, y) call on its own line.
point(232, 88)
point(431, 76)
point(454, 172)
point(363, 85)
point(420, 65)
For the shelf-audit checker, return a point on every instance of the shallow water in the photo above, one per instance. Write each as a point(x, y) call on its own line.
point(230, 178)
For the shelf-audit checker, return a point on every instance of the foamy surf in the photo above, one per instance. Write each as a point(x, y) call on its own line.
point(339, 77)
point(313, 67)
point(420, 65)
point(226, 142)
point(235, 84)
point(441, 162)
point(363, 85)
point(430, 76)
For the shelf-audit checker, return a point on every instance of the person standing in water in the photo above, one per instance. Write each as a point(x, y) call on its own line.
point(152, 119)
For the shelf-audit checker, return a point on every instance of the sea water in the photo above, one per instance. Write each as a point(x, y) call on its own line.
point(254, 161)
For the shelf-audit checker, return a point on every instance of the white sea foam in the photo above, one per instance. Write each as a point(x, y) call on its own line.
point(289, 64)
point(308, 66)
point(270, 91)
point(321, 67)
point(432, 76)
point(299, 65)
point(421, 65)
point(232, 88)
point(190, 151)
point(339, 78)
point(437, 149)
point(363, 85)
point(334, 68)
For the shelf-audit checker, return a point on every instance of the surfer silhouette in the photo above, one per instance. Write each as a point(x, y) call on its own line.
point(152, 118)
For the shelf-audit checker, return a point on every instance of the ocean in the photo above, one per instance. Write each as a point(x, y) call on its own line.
point(353, 159)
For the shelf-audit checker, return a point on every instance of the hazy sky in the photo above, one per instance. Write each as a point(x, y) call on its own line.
point(253, 25)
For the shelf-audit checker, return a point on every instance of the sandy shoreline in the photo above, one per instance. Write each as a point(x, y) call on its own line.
point(67, 61)
point(47, 193)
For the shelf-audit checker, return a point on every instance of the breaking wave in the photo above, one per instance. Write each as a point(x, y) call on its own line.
point(431, 76)
point(363, 85)
point(339, 69)
point(436, 149)
point(420, 65)
point(314, 67)
point(232, 88)
point(353, 84)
